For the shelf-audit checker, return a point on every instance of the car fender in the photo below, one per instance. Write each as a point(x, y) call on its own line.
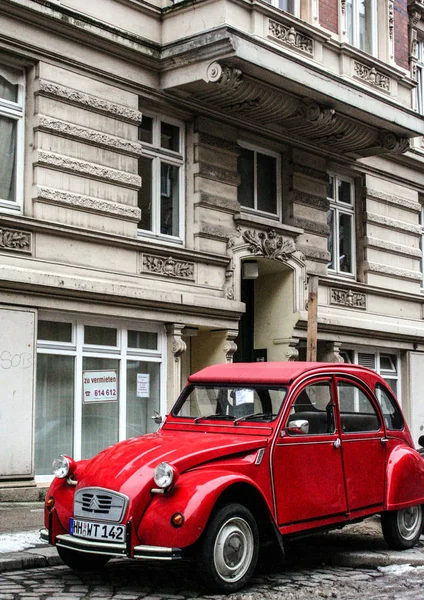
point(404, 478)
point(194, 496)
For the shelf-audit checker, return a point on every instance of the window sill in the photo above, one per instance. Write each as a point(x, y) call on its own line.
point(251, 219)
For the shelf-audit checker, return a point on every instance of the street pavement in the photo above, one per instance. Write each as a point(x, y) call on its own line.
point(353, 562)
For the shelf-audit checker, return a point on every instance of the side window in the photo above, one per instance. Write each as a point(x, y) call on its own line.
point(341, 222)
point(391, 413)
point(357, 412)
point(312, 411)
point(259, 188)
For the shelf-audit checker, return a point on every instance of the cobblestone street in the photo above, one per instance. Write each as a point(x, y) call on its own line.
point(129, 581)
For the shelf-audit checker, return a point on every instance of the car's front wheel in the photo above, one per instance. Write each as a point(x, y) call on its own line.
point(402, 528)
point(229, 549)
point(80, 561)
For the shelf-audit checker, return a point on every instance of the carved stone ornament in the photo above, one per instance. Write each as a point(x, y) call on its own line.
point(391, 17)
point(269, 245)
point(224, 76)
point(348, 298)
point(18, 241)
point(291, 37)
point(314, 113)
point(371, 76)
point(391, 143)
point(343, 6)
point(168, 267)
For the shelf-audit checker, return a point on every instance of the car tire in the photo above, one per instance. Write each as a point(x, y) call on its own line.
point(402, 528)
point(81, 561)
point(229, 549)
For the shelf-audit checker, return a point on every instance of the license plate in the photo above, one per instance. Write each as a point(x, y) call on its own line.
point(97, 531)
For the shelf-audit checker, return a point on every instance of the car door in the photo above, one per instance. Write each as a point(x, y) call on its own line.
point(363, 447)
point(306, 461)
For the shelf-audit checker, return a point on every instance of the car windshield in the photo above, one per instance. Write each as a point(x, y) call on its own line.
point(232, 403)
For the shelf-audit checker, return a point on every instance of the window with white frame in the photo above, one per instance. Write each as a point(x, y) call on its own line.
point(260, 187)
point(290, 6)
point(96, 384)
point(361, 24)
point(420, 77)
point(384, 363)
point(11, 137)
point(341, 222)
point(161, 167)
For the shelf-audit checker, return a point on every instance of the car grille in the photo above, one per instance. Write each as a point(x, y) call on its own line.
point(100, 504)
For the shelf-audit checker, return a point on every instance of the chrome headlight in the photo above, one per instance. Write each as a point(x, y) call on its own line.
point(164, 475)
point(63, 466)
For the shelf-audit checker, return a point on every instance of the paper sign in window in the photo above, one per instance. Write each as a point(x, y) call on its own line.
point(100, 386)
point(143, 385)
point(244, 397)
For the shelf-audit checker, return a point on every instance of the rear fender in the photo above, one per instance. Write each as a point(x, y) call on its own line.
point(404, 478)
point(194, 496)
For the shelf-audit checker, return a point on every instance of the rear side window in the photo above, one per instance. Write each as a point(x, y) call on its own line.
point(392, 416)
point(357, 412)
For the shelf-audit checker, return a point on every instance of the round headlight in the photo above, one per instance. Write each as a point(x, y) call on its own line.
point(62, 466)
point(164, 475)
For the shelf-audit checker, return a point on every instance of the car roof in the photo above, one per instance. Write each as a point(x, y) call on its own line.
point(272, 372)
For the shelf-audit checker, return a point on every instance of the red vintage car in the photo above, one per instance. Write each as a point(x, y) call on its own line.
point(250, 453)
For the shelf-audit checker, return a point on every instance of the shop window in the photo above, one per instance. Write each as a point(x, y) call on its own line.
point(96, 385)
point(259, 188)
point(11, 137)
point(361, 22)
point(289, 6)
point(161, 196)
point(341, 222)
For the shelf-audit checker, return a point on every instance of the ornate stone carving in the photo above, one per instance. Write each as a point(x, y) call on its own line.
point(371, 76)
point(225, 77)
point(333, 352)
point(291, 37)
point(343, 6)
point(230, 347)
point(18, 241)
point(269, 245)
point(96, 171)
point(348, 298)
point(392, 143)
point(174, 333)
point(168, 267)
point(99, 105)
point(391, 18)
point(314, 113)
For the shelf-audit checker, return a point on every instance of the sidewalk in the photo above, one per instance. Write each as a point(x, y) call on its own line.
point(359, 545)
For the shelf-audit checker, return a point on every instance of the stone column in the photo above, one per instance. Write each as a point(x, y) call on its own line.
point(175, 348)
point(332, 352)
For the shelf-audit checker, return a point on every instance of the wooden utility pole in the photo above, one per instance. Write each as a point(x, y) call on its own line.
point(311, 349)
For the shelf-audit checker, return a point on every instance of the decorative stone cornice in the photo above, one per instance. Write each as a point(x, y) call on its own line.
point(392, 199)
point(348, 298)
point(88, 136)
point(88, 203)
point(88, 102)
point(90, 170)
point(168, 267)
point(371, 76)
point(15, 240)
point(371, 267)
point(291, 37)
point(397, 249)
point(309, 200)
point(394, 224)
point(218, 174)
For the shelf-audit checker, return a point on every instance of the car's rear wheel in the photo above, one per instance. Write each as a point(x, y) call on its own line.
point(402, 528)
point(81, 561)
point(229, 549)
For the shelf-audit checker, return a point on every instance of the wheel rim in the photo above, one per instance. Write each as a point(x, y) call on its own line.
point(409, 522)
point(233, 550)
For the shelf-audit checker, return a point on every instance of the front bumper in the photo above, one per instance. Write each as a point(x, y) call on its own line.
point(112, 549)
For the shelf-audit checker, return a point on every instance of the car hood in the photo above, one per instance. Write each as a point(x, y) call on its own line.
point(128, 465)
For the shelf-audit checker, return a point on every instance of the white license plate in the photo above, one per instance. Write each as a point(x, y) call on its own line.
point(97, 531)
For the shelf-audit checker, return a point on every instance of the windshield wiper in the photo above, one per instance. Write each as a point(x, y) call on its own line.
point(257, 415)
point(213, 416)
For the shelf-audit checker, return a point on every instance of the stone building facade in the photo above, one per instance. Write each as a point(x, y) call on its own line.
point(190, 183)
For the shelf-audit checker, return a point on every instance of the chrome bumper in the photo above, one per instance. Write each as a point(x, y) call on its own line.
point(72, 542)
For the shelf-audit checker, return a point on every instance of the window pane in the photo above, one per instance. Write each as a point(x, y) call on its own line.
point(8, 90)
point(145, 131)
point(392, 415)
point(246, 171)
point(330, 187)
point(349, 21)
point(170, 137)
point(54, 410)
point(143, 339)
point(267, 183)
point(344, 191)
point(420, 84)
point(365, 25)
point(314, 405)
point(99, 419)
point(143, 395)
point(8, 139)
point(287, 5)
point(357, 412)
point(100, 336)
point(54, 331)
point(170, 199)
point(145, 193)
point(345, 243)
point(330, 245)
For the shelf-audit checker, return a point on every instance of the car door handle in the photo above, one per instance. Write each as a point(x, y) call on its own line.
point(337, 443)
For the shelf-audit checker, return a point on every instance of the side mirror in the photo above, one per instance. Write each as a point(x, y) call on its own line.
point(421, 441)
point(298, 427)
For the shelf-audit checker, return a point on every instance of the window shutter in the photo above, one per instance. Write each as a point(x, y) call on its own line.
point(366, 360)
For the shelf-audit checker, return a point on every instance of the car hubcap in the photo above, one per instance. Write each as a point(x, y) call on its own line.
point(409, 522)
point(233, 550)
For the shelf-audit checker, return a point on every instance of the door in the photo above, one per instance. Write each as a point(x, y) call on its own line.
point(307, 461)
point(363, 447)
